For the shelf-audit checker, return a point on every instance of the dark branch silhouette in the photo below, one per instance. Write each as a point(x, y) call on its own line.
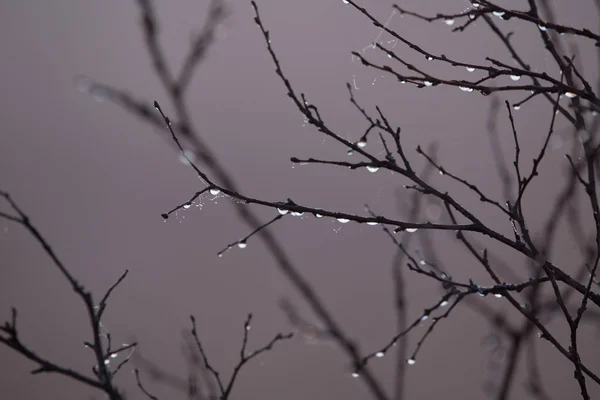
point(568, 293)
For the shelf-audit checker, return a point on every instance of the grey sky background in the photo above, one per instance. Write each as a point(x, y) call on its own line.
point(95, 180)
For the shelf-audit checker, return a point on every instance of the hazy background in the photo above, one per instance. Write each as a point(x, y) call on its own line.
point(95, 180)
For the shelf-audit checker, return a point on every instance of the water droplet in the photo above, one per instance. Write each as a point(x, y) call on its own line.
point(428, 58)
point(355, 375)
point(543, 28)
point(350, 152)
point(389, 55)
point(190, 156)
point(411, 230)
point(475, 4)
point(515, 77)
point(242, 245)
point(187, 205)
point(498, 295)
point(248, 327)
point(481, 294)
point(84, 84)
point(214, 191)
point(570, 95)
point(449, 21)
point(470, 69)
point(498, 13)
point(113, 355)
point(343, 220)
point(428, 83)
point(372, 169)
point(379, 354)
point(516, 107)
point(372, 223)
point(424, 318)
point(411, 361)
point(443, 303)
point(472, 16)
point(98, 94)
point(281, 211)
point(466, 89)
point(106, 362)
point(318, 215)
point(361, 143)
point(297, 213)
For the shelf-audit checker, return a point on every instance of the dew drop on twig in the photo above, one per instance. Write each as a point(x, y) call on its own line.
point(187, 155)
point(98, 94)
point(84, 84)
